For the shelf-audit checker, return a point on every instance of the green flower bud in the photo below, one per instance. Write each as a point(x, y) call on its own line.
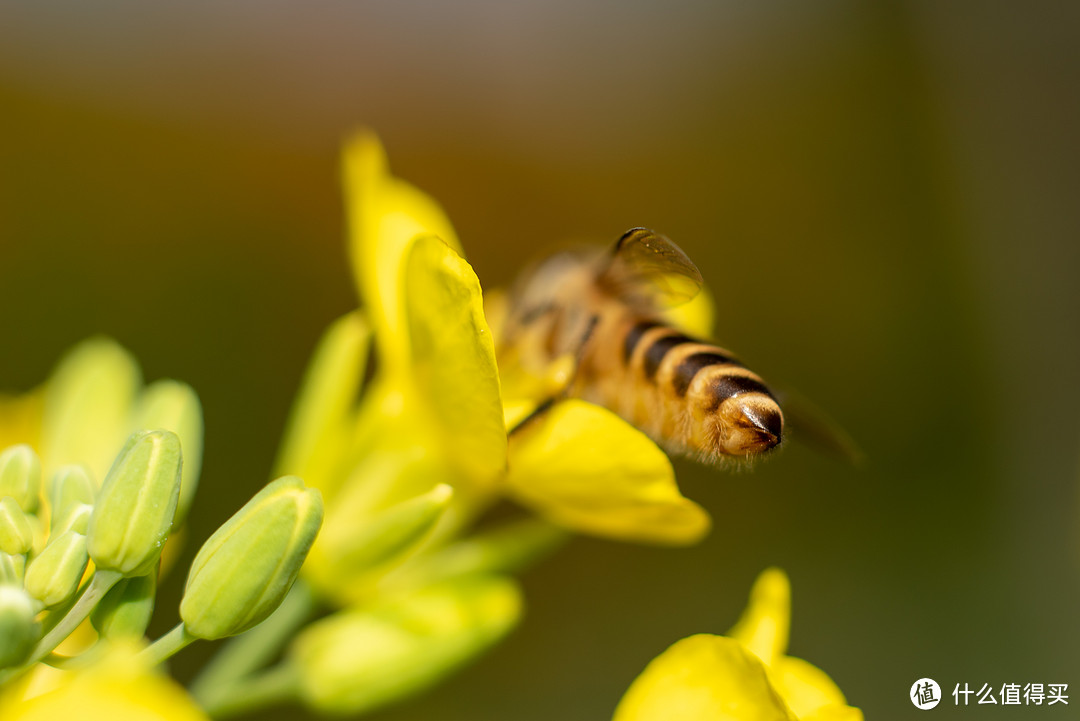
point(16, 535)
point(315, 438)
point(126, 609)
point(508, 548)
point(54, 574)
point(20, 476)
point(12, 569)
point(75, 518)
point(71, 485)
point(135, 506)
point(88, 405)
point(351, 549)
point(356, 661)
point(18, 630)
point(246, 567)
point(174, 406)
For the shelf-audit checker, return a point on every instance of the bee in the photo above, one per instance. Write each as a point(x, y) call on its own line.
point(604, 309)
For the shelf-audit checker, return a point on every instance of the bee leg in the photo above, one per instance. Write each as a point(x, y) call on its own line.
point(536, 413)
point(579, 353)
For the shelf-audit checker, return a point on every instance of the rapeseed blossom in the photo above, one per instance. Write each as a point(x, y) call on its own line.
point(381, 475)
point(437, 354)
point(407, 461)
point(742, 676)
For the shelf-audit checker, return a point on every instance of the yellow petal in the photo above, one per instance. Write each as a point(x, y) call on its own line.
point(317, 435)
point(453, 358)
point(764, 625)
point(385, 215)
point(116, 687)
point(585, 468)
point(703, 678)
point(806, 688)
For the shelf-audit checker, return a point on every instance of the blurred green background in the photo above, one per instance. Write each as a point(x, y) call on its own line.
point(883, 197)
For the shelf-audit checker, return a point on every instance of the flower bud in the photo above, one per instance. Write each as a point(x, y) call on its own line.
point(12, 569)
point(88, 405)
point(507, 548)
point(75, 518)
point(348, 549)
point(126, 608)
point(18, 630)
point(71, 485)
point(20, 476)
point(16, 535)
point(316, 437)
point(174, 406)
point(54, 574)
point(135, 506)
point(355, 661)
point(246, 567)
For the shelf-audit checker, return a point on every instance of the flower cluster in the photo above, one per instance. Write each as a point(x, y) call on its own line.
point(398, 585)
point(82, 540)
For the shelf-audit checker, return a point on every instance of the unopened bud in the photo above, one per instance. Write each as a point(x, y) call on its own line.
point(315, 439)
point(18, 630)
point(88, 405)
point(356, 661)
point(135, 506)
point(71, 485)
point(246, 567)
point(75, 518)
point(350, 549)
point(126, 609)
point(54, 574)
point(174, 406)
point(16, 534)
point(503, 549)
point(20, 476)
point(12, 569)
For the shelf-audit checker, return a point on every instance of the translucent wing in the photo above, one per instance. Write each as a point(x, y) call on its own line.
point(811, 425)
point(646, 269)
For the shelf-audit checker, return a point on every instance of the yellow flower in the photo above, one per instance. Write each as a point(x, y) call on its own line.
point(117, 686)
point(743, 676)
point(432, 414)
point(435, 412)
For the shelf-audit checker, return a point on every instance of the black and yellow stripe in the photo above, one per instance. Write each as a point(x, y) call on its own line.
point(691, 382)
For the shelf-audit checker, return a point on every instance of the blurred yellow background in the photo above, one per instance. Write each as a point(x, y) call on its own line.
point(882, 197)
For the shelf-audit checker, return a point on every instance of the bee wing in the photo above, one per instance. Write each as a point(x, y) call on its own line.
point(813, 426)
point(646, 269)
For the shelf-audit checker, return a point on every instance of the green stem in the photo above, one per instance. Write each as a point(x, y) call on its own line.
point(175, 640)
point(100, 584)
point(57, 613)
point(246, 653)
point(270, 688)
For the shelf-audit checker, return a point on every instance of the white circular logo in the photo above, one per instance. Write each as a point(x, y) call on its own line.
point(925, 694)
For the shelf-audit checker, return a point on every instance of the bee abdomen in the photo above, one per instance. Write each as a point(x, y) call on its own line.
point(688, 368)
point(704, 399)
